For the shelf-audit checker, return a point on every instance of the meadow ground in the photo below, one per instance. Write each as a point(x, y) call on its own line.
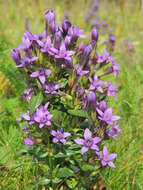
point(125, 18)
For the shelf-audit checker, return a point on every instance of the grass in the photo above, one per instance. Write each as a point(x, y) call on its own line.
point(17, 170)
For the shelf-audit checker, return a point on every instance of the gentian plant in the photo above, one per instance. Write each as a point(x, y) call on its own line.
point(67, 121)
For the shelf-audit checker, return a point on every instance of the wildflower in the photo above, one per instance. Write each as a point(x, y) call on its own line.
point(28, 141)
point(94, 36)
point(111, 89)
point(51, 88)
point(80, 71)
point(87, 51)
point(91, 99)
point(41, 73)
point(59, 136)
point(42, 116)
point(114, 131)
point(66, 24)
point(114, 69)
point(15, 54)
point(107, 116)
point(64, 54)
point(26, 61)
point(50, 17)
point(106, 157)
point(29, 118)
point(27, 94)
point(75, 33)
point(103, 105)
point(26, 42)
point(88, 142)
point(96, 84)
point(58, 38)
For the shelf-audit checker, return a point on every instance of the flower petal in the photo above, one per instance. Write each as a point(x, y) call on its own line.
point(55, 140)
point(103, 163)
point(96, 140)
point(47, 71)
point(79, 141)
point(111, 164)
point(105, 150)
point(42, 79)
point(95, 147)
point(84, 149)
point(53, 133)
point(66, 134)
point(87, 134)
point(35, 74)
point(63, 141)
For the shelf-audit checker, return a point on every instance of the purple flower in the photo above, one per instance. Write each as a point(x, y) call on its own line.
point(26, 42)
point(88, 142)
point(27, 94)
point(58, 38)
point(15, 54)
point(114, 131)
point(107, 116)
point(104, 58)
point(28, 141)
point(64, 54)
point(102, 105)
point(80, 71)
point(26, 61)
point(91, 99)
point(96, 84)
point(67, 41)
point(42, 116)
point(75, 33)
point(51, 88)
point(50, 17)
point(111, 89)
point(106, 157)
point(28, 117)
point(59, 136)
point(66, 24)
point(115, 69)
point(81, 47)
point(87, 51)
point(94, 36)
point(47, 46)
point(41, 73)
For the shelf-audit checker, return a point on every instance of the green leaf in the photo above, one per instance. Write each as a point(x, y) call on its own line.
point(65, 173)
point(56, 180)
point(44, 181)
point(87, 167)
point(79, 113)
point(35, 102)
point(71, 183)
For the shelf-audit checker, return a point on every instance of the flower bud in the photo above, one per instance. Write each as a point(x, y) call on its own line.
point(66, 25)
point(94, 35)
point(50, 17)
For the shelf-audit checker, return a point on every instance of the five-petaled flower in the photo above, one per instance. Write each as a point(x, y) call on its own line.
point(106, 157)
point(42, 116)
point(59, 136)
point(107, 116)
point(28, 141)
point(41, 73)
point(88, 142)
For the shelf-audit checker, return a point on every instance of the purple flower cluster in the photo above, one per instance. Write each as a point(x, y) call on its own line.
point(68, 75)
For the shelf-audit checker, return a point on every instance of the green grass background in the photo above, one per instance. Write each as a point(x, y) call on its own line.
point(125, 17)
